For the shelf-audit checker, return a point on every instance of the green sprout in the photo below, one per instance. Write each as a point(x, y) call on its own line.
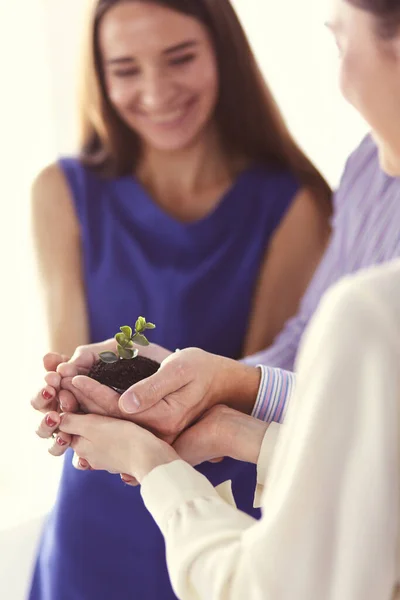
point(126, 339)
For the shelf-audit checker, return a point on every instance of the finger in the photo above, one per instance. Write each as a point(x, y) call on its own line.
point(48, 425)
point(67, 369)
point(85, 356)
point(52, 359)
point(95, 397)
point(81, 463)
point(45, 400)
point(68, 401)
point(171, 377)
point(129, 480)
point(80, 425)
point(60, 444)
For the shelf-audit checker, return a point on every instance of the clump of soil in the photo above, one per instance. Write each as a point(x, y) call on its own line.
point(123, 373)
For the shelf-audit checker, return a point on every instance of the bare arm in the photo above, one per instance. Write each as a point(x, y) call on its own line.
point(289, 264)
point(58, 253)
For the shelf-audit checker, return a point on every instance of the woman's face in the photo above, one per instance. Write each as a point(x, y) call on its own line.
point(370, 76)
point(160, 72)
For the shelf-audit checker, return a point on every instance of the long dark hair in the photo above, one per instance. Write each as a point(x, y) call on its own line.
point(387, 13)
point(249, 121)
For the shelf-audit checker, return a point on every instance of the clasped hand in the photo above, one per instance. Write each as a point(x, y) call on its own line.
point(176, 413)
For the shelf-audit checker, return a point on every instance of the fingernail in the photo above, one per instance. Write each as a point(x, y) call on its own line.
point(61, 442)
point(130, 403)
point(127, 478)
point(46, 395)
point(50, 422)
point(83, 464)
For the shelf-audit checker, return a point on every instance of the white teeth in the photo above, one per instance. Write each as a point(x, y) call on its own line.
point(170, 118)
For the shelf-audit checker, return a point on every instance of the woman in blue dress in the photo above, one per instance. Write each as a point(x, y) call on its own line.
point(183, 153)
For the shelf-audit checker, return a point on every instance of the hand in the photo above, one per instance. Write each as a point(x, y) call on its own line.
point(115, 445)
point(46, 398)
point(60, 394)
point(55, 399)
point(187, 384)
point(222, 431)
point(177, 394)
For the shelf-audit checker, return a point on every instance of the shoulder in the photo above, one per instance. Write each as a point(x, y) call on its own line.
point(367, 297)
point(360, 162)
point(50, 193)
point(50, 177)
point(365, 153)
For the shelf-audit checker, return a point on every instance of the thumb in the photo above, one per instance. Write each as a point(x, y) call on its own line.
point(170, 378)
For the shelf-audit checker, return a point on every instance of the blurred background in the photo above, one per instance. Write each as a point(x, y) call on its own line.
point(39, 43)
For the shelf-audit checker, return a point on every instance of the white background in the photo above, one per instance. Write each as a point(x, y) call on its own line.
point(38, 59)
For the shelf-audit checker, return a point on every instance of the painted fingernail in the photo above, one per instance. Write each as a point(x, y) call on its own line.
point(61, 442)
point(130, 403)
point(83, 464)
point(46, 395)
point(50, 422)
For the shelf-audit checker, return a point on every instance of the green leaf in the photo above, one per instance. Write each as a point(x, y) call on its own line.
point(140, 325)
point(127, 354)
point(108, 357)
point(127, 331)
point(121, 339)
point(140, 339)
point(150, 326)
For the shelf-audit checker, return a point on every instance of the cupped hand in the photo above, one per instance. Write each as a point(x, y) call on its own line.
point(165, 403)
point(116, 446)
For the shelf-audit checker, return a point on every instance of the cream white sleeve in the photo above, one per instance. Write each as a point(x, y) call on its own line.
point(330, 507)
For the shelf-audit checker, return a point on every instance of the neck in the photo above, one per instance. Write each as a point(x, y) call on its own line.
point(390, 155)
point(187, 171)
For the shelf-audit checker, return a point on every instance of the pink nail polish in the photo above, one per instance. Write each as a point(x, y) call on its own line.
point(50, 422)
point(46, 395)
point(61, 442)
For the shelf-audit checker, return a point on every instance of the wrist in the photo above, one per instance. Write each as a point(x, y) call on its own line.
point(161, 454)
point(237, 385)
point(246, 436)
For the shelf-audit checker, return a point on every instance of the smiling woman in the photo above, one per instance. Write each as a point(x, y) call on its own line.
point(167, 97)
point(188, 202)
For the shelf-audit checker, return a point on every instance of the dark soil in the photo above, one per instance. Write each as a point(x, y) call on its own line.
point(123, 373)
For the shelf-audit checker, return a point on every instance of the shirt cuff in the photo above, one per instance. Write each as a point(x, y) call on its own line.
point(264, 461)
point(168, 486)
point(276, 388)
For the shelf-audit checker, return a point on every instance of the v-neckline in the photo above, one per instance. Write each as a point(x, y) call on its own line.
point(154, 210)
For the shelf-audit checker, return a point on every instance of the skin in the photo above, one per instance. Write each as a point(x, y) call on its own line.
point(370, 76)
point(149, 81)
point(159, 63)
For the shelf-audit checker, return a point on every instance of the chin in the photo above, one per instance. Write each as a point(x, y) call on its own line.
point(389, 160)
point(172, 144)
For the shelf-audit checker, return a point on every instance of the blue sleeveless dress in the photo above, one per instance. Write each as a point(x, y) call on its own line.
point(196, 282)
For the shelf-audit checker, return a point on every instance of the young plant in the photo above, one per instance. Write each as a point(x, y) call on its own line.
point(126, 340)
